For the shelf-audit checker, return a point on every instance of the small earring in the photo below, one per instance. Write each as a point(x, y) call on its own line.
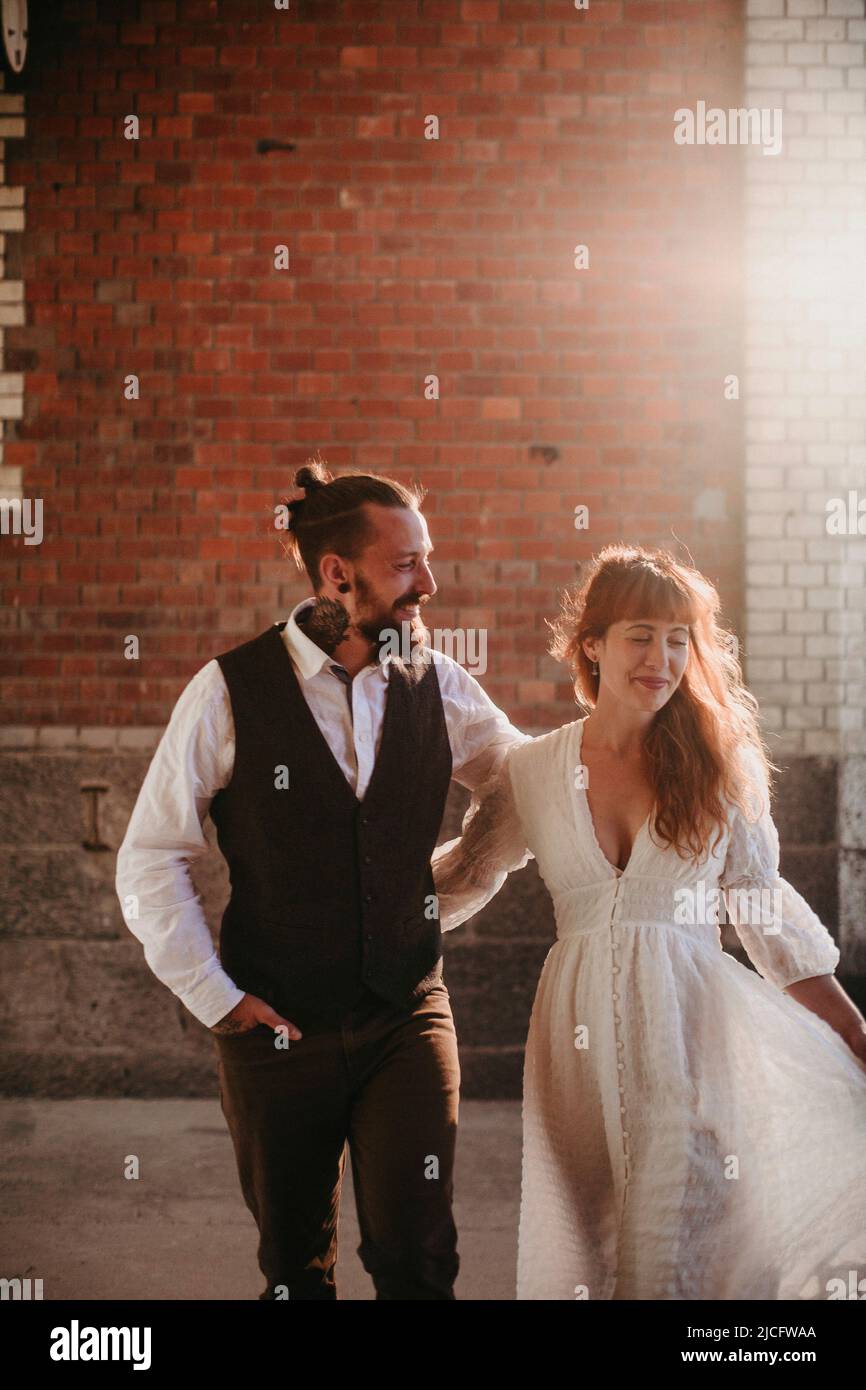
point(595, 668)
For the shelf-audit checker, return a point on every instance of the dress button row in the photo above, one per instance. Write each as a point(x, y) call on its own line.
point(617, 970)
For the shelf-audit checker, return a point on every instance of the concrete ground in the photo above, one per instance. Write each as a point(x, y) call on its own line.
point(181, 1230)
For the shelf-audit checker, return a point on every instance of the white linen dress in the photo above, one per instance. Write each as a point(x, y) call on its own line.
point(689, 1131)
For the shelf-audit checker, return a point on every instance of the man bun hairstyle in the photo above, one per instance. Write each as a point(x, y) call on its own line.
point(311, 476)
point(330, 516)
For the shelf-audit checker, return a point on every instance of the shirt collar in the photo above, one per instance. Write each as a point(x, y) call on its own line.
point(309, 657)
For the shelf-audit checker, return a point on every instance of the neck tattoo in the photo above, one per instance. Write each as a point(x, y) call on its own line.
point(326, 623)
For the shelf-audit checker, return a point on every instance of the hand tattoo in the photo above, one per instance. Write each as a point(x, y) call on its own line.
point(231, 1025)
point(326, 623)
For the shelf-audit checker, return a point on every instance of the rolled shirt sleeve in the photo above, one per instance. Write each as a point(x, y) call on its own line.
point(479, 732)
point(164, 836)
point(470, 870)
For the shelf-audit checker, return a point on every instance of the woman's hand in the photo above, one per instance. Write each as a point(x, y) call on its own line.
point(824, 995)
point(856, 1040)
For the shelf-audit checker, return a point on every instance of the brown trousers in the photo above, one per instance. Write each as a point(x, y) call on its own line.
point(386, 1082)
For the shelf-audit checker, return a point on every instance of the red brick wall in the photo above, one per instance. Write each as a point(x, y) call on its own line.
point(407, 257)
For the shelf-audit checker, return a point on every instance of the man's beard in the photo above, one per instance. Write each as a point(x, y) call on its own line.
point(327, 624)
point(384, 627)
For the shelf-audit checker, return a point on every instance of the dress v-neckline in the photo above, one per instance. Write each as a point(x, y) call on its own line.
point(582, 795)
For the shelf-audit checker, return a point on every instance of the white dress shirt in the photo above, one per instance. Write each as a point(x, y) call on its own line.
point(194, 760)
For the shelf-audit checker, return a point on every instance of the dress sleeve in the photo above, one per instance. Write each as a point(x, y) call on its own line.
point(469, 871)
point(784, 939)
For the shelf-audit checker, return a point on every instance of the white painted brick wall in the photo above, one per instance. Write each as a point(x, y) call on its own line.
point(804, 377)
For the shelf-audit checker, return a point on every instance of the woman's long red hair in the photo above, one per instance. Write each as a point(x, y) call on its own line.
point(696, 742)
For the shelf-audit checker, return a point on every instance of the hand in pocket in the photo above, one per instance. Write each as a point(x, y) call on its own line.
point(248, 1014)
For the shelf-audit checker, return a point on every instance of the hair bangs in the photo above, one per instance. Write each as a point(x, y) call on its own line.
point(646, 592)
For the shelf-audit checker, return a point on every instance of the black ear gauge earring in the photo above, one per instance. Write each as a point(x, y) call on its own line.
point(344, 587)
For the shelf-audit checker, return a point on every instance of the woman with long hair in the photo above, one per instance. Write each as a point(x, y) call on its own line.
point(692, 1129)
